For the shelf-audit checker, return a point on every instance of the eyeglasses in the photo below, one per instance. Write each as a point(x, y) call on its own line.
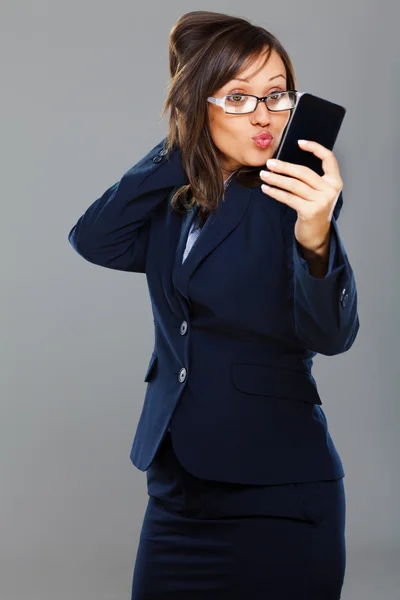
point(240, 104)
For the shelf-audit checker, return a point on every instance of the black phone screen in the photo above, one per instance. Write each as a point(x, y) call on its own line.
point(313, 119)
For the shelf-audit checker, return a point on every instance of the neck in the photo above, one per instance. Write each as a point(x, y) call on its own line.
point(227, 174)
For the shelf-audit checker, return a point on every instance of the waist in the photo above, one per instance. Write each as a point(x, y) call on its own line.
point(195, 497)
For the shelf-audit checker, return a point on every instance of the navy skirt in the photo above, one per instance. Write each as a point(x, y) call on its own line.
point(208, 540)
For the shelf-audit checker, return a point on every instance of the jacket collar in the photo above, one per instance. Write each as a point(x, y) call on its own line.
point(218, 226)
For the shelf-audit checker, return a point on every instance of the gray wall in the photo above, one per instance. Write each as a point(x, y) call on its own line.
point(83, 87)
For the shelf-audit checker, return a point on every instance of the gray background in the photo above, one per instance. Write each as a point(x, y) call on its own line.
point(83, 87)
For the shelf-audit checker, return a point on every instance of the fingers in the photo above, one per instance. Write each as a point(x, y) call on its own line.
point(330, 165)
point(293, 185)
point(300, 172)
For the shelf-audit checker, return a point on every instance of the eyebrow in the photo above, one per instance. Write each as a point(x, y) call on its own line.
point(247, 80)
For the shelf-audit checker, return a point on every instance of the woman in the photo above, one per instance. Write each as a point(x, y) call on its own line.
point(247, 284)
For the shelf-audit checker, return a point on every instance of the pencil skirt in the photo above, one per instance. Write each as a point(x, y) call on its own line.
point(209, 540)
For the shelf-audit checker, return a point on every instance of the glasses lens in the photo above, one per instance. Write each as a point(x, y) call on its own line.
point(239, 103)
point(282, 101)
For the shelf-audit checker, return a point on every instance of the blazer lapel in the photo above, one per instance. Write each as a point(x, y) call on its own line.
point(219, 224)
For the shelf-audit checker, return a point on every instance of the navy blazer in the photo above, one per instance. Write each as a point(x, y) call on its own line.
point(236, 326)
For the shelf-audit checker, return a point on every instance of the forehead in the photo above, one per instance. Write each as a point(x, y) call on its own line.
point(256, 67)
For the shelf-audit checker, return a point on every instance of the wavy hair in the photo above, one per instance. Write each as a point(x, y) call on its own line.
point(206, 50)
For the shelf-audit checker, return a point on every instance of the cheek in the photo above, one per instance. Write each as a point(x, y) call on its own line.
point(284, 122)
point(233, 131)
point(225, 133)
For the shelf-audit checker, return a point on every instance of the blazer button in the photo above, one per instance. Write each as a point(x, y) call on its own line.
point(182, 375)
point(157, 159)
point(344, 297)
point(163, 152)
point(184, 327)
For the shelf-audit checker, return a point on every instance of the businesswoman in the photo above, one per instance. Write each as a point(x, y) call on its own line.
point(247, 284)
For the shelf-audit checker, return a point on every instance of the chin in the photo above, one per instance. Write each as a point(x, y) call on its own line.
point(260, 158)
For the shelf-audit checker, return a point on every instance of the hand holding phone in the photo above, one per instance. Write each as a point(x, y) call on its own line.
point(317, 121)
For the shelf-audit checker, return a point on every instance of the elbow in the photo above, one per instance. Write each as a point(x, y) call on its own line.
point(81, 245)
point(337, 342)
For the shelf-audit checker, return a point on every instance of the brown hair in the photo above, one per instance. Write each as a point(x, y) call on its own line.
point(206, 50)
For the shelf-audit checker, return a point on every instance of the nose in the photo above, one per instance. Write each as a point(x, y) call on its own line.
point(261, 114)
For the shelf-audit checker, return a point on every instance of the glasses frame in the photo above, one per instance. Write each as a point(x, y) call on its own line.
point(221, 101)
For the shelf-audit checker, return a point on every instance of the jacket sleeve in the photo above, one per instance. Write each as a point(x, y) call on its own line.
point(325, 309)
point(113, 231)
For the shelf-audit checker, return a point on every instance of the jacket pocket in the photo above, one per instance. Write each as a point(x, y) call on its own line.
point(278, 382)
point(150, 368)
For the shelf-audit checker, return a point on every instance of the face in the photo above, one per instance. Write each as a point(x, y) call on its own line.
point(232, 134)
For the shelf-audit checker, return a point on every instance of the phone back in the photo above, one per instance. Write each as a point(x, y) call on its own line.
point(314, 119)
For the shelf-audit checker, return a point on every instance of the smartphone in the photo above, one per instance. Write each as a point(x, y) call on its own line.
point(314, 119)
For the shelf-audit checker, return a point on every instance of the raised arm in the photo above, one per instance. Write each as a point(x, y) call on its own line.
point(113, 231)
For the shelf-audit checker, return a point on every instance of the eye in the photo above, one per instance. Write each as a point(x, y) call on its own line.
point(236, 98)
point(276, 95)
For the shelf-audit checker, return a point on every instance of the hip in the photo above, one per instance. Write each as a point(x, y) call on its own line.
point(190, 496)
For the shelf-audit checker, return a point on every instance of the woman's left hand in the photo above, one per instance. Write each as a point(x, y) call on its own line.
point(312, 196)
